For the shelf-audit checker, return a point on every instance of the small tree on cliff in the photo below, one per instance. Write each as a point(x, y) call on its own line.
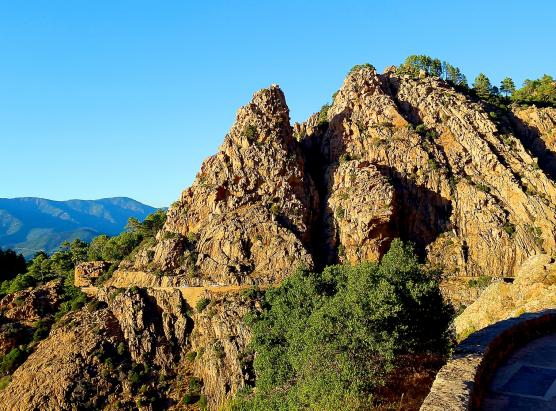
point(483, 86)
point(507, 86)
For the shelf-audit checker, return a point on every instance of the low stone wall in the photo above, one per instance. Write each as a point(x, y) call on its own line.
point(461, 384)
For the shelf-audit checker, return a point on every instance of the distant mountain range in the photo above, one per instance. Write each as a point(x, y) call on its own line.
point(30, 224)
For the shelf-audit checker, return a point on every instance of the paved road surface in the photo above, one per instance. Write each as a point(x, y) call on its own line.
point(527, 380)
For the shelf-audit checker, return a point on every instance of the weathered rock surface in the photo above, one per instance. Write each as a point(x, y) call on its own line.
point(363, 206)
point(533, 290)
point(154, 324)
point(465, 187)
point(88, 272)
point(28, 306)
point(220, 340)
point(537, 127)
point(392, 157)
point(247, 216)
point(65, 372)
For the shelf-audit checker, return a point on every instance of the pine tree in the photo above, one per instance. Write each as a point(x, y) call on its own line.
point(507, 86)
point(482, 86)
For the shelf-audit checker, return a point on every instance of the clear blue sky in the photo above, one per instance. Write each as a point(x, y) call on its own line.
point(126, 98)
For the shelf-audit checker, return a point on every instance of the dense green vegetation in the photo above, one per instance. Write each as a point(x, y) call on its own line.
point(413, 65)
point(328, 340)
point(61, 264)
point(541, 91)
point(358, 67)
point(39, 271)
point(11, 264)
point(118, 247)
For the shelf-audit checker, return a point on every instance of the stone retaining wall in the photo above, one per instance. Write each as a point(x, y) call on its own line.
point(462, 382)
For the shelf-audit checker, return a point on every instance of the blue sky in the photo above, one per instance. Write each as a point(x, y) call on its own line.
point(126, 98)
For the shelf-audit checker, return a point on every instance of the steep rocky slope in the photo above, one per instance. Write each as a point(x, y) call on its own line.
point(466, 190)
point(21, 311)
point(392, 156)
point(247, 217)
point(534, 289)
point(67, 370)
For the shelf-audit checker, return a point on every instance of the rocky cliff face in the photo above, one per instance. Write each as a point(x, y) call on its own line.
point(391, 157)
point(220, 340)
point(465, 188)
point(247, 217)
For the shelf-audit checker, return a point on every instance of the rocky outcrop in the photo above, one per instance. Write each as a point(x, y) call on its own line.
point(68, 370)
point(220, 341)
point(392, 156)
point(28, 306)
point(88, 272)
point(537, 130)
point(466, 190)
point(363, 205)
point(154, 324)
point(247, 216)
point(533, 290)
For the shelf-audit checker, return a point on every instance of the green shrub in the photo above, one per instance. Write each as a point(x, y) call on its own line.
point(134, 377)
point(250, 132)
point(480, 282)
point(4, 381)
point(274, 209)
point(190, 398)
point(12, 360)
point(96, 305)
point(509, 228)
point(341, 250)
point(107, 274)
point(191, 355)
point(218, 349)
point(195, 384)
point(540, 91)
point(340, 213)
point(121, 349)
point(20, 282)
point(483, 187)
point(42, 328)
point(251, 293)
point(203, 403)
point(202, 304)
point(453, 181)
point(344, 158)
point(421, 129)
point(328, 340)
point(359, 67)
point(323, 114)
point(431, 134)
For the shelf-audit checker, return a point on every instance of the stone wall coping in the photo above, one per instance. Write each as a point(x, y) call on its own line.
point(461, 384)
